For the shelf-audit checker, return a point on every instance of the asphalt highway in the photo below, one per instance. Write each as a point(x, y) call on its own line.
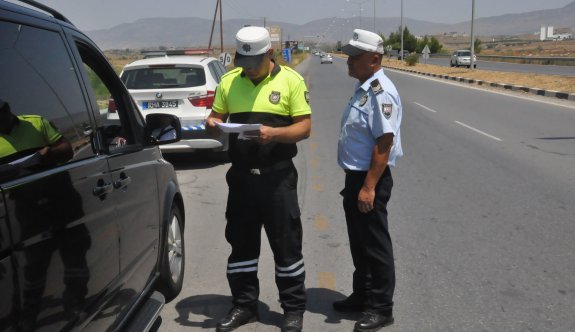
point(481, 214)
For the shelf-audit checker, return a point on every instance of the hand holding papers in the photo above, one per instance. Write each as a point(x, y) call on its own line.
point(240, 128)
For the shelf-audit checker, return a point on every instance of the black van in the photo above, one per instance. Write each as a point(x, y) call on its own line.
point(91, 215)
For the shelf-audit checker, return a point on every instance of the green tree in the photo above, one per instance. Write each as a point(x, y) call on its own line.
point(477, 46)
point(409, 40)
point(432, 43)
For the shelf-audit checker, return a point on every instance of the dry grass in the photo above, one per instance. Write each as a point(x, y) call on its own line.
point(546, 82)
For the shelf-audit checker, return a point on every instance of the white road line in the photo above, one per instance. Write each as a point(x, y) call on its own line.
point(508, 93)
point(478, 131)
point(425, 107)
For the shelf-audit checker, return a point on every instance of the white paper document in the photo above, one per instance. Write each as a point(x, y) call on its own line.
point(240, 128)
point(31, 160)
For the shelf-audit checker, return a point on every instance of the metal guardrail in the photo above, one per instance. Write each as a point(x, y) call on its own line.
point(558, 61)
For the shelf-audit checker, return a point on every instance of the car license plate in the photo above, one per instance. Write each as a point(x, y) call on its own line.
point(160, 104)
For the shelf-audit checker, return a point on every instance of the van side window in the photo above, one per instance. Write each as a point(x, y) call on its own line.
point(44, 124)
point(118, 128)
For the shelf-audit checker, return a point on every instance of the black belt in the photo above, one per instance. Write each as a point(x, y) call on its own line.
point(266, 170)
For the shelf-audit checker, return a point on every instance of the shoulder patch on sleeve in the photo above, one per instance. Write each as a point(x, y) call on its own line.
point(376, 86)
point(387, 109)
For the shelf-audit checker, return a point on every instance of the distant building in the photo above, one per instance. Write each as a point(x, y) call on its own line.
point(547, 33)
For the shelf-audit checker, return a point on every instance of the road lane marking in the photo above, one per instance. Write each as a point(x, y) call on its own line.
point(318, 187)
point(320, 223)
point(478, 131)
point(425, 107)
point(326, 280)
point(507, 93)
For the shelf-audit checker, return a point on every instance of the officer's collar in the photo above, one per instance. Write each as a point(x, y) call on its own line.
point(277, 68)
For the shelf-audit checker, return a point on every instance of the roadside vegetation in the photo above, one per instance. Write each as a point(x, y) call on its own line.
point(546, 82)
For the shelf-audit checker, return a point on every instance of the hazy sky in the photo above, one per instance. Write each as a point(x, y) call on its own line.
point(103, 14)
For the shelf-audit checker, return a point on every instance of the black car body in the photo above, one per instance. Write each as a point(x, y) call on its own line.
point(86, 243)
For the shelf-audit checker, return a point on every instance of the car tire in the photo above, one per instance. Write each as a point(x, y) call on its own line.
point(172, 262)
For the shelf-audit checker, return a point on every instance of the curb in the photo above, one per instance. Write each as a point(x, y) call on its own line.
point(533, 91)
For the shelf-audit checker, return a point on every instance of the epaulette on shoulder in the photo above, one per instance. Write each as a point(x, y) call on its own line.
point(376, 86)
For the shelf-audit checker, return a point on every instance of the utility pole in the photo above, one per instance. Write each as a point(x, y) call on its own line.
point(374, 17)
point(472, 36)
point(401, 27)
point(218, 6)
point(221, 29)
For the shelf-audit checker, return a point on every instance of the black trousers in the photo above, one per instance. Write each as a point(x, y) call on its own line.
point(370, 242)
point(268, 200)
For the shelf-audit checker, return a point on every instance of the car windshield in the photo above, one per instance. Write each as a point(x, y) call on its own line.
point(163, 77)
point(464, 53)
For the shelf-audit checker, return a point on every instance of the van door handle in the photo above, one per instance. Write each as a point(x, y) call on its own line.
point(102, 189)
point(123, 181)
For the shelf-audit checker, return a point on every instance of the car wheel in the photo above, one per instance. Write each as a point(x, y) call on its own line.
point(173, 257)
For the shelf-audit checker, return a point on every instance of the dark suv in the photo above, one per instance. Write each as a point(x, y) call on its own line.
point(91, 215)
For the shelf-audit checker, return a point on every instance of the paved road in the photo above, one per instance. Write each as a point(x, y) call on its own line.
point(481, 215)
point(511, 67)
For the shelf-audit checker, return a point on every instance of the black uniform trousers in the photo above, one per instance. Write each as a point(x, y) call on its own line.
point(370, 242)
point(267, 199)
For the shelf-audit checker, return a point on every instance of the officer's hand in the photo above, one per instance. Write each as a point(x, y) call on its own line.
point(264, 136)
point(365, 200)
point(211, 128)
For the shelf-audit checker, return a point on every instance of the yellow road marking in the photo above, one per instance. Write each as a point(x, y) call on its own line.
point(321, 223)
point(317, 187)
point(326, 280)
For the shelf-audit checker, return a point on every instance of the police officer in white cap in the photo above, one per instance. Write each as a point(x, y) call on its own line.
point(262, 179)
point(369, 144)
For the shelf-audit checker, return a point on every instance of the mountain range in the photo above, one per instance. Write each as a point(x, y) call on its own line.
point(195, 32)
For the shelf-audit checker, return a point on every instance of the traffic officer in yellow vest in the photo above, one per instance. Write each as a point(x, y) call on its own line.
point(262, 180)
point(369, 144)
point(24, 135)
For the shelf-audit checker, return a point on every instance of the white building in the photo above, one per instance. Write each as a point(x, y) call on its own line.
point(546, 32)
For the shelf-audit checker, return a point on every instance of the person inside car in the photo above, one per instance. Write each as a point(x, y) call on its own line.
point(31, 135)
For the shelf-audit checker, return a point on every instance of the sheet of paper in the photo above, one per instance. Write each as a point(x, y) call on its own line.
point(27, 161)
point(238, 127)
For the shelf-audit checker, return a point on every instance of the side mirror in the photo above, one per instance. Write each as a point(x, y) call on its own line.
point(163, 128)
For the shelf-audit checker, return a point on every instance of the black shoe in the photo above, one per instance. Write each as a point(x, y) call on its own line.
point(372, 321)
point(353, 303)
point(293, 322)
point(237, 317)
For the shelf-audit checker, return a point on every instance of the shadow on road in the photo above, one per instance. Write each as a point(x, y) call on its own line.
point(214, 307)
point(319, 301)
point(196, 160)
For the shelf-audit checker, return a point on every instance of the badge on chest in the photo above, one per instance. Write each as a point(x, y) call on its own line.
point(275, 97)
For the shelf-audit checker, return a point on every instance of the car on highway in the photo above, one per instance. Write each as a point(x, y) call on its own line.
point(405, 54)
point(182, 85)
point(326, 58)
point(91, 215)
point(462, 58)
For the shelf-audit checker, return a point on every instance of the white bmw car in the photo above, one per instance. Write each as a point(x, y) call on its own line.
point(182, 85)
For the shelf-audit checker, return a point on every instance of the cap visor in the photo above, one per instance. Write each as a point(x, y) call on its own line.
point(245, 61)
point(352, 50)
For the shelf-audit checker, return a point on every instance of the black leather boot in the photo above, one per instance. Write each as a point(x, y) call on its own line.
point(373, 321)
point(237, 317)
point(293, 322)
